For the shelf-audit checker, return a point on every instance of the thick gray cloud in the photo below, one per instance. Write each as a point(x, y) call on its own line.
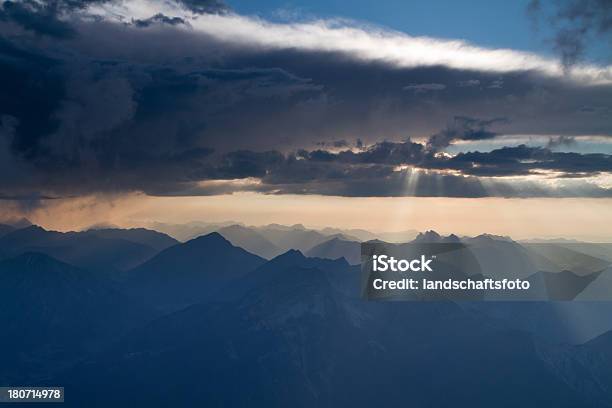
point(377, 170)
point(464, 128)
point(150, 104)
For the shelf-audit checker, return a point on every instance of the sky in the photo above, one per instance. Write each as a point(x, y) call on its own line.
point(500, 24)
point(479, 116)
point(488, 23)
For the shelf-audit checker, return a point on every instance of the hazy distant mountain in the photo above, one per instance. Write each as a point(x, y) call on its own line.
point(569, 259)
point(600, 289)
point(294, 227)
point(84, 249)
point(52, 313)
point(250, 240)
point(296, 237)
point(432, 237)
point(550, 241)
point(153, 239)
point(358, 234)
point(600, 250)
point(564, 285)
point(338, 248)
point(364, 235)
point(187, 273)
point(500, 257)
point(489, 255)
point(185, 232)
point(398, 237)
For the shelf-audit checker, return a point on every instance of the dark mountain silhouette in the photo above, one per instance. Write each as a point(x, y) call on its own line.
point(150, 238)
point(586, 368)
point(338, 248)
point(82, 249)
point(238, 330)
point(17, 223)
point(291, 337)
point(190, 272)
point(5, 229)
point(342, 276)
point(250, 240)
point(53, 313)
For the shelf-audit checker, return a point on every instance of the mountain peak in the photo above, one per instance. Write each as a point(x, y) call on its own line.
point(432, 236)
point(33, 227)
point(292, 255)
point(18, 222)
point(213, 237)
point(30, 231)
point(491, 237)
point(428, 236)
point(36, 262)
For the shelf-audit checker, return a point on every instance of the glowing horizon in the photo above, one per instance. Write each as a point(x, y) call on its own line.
point(517, 218)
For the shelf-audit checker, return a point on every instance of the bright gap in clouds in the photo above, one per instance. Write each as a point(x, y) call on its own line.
point(579, 144)
point(360, 41)
point(519, 218)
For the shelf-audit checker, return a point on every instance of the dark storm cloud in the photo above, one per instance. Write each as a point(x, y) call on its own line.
point(159, 19)
point(524, 160)
point(40, 18)
point(464, 128)
point(152, 105)
point(377, 171)
point(382, 158)
point(44, 17)
point(577, 23)
point(420, 88)
point(381, 181)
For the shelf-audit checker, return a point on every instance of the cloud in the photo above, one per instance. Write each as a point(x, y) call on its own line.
point(464, 128)
point(367, 43)
point(560, 141)
point(206, 6)
point(577, 24)
point(418, 88)
point(525, 160)
point(412, 183)
point(165, 97)
point(160, 19)
point(469, 82)
point(408, 169)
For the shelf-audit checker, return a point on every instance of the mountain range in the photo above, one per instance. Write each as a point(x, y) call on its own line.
point(208, 322)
